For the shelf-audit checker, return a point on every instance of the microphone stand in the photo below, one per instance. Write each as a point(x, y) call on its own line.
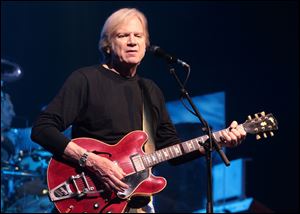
point(211, 143)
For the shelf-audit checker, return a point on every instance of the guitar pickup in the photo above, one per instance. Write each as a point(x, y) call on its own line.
point(64, 191)
point(137, 163)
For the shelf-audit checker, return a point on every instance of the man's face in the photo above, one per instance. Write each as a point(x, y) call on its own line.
point(128, 45)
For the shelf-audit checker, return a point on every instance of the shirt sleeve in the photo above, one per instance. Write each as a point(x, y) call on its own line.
point(62, 111)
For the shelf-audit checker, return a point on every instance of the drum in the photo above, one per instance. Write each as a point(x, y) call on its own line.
point(32, 186)
point(35, 160)
point(34, 163)
point(11, 180)
point(31, 204)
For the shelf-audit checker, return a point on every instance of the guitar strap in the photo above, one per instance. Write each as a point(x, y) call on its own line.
point(147, 118)
point(149, 146)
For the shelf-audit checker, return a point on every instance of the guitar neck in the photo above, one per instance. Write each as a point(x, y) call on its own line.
point(178, 150)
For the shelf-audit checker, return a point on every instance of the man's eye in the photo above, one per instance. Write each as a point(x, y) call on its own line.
point(121, 35)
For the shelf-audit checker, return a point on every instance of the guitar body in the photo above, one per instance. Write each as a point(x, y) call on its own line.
point(64, 191)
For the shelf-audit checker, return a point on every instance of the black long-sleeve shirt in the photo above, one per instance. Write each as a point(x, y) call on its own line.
point(101, 104)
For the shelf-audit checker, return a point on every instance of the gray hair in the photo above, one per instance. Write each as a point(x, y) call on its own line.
point(111, 25)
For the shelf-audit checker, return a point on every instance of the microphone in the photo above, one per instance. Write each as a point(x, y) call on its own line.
point(157, 51)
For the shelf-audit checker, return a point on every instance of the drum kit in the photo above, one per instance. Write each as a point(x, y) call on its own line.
point(23, 162)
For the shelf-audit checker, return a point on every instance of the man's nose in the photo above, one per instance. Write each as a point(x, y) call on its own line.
point(131, 40)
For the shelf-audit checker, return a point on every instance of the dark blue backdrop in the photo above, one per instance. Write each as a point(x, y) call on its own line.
point(248, 49)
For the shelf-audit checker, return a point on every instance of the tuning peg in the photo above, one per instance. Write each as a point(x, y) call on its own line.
point(265, 135)
point(263, 113)
point(271, 133)
point(258, 137)
point(272, 120)
point(256, 115)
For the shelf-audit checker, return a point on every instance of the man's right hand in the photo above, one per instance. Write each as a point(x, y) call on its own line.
point(109, 172)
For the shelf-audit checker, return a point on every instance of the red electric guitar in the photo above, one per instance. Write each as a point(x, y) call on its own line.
point(76, 190)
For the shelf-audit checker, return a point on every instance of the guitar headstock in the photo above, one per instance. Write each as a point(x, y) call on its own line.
point(261, 123)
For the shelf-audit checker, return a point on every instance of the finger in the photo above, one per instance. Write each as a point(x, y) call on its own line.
point(233, 138)
point(123, 173)
point(106, 186)
point(237, 134)
point(100, 173)
point(226, 136)
point(120, 174)
point(222, 139)
point(118, 182)
point(242, 131)
point(233, 125)
point(114, 186)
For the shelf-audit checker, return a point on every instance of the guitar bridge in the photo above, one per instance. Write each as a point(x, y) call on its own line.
point(64, 191)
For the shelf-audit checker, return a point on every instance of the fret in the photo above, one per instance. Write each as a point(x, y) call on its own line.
point(165, 153)
point(149, 160)
point(190, 146)
point(153, 157)
point(193, 147)
point(200, 140)
point(174, 151)
point(144, 160)
point(195, 143)
point(177, 150)
point(170, 151)
point(205, 138)
point(185, 147)
point(159, 155)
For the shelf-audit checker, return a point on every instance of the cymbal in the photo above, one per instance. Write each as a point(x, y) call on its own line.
point(10, 71)
point(19, 173)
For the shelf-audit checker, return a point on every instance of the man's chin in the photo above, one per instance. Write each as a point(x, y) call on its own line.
point(133, 63)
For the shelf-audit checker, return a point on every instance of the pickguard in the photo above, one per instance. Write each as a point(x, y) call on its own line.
point(133, 181)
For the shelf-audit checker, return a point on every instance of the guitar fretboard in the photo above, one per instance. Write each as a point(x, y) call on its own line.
point(177, 150)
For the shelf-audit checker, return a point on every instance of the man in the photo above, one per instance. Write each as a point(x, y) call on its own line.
point(106, 102)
